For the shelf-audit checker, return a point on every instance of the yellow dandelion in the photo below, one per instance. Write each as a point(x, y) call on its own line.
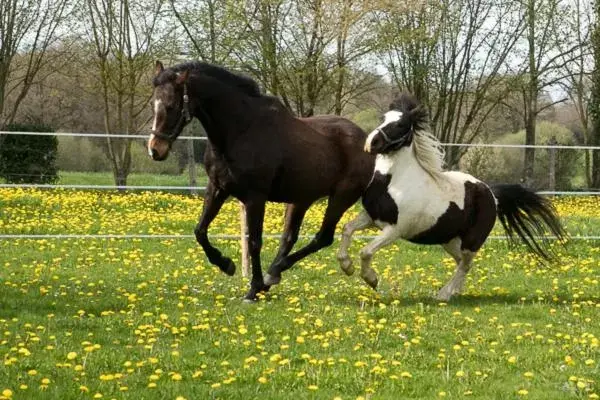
point(313, 387)
point(176, 377)
point(71, 355)
point(7, 393)
point(262, 379)
point(523, 392)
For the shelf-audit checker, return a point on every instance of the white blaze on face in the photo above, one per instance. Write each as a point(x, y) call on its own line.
point(157, 104)
point(388, 118)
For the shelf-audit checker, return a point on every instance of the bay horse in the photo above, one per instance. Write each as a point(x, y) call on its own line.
point(411, 197)
point(259, 151)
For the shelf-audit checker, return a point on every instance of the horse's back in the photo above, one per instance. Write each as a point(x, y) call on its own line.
point(336, 126)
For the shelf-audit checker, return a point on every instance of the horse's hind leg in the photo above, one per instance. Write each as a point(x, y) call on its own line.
point(336, 206)
point(213, 201)
point(362, 221)
point(294, 214)
point(387, 236)
point(464, 259)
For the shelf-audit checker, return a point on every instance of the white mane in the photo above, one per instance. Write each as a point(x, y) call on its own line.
point(428, 152)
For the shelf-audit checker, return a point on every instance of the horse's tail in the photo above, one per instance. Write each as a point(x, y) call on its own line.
point(528, 215)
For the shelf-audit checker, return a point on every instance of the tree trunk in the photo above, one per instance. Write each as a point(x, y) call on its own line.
point(595, 170)
point(594, 106)
point(528, 162)
point(120, 176)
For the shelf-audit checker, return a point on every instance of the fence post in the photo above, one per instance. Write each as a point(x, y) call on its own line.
point(552, 164)
point(244, 242)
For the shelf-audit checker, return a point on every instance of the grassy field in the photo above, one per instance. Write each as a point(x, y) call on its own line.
point(151, 319)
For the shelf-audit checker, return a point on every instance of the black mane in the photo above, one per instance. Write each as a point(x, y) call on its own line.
point(237, 80)
point(409, 105)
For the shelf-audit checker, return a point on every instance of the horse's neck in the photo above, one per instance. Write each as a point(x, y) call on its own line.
point(221, 123)
point(401, 165)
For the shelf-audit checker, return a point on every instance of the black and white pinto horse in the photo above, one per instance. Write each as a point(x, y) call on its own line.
point(411, 197)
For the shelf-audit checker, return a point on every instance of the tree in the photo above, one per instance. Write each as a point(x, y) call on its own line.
point(125, 39)
point(594, 107)
point(577, 85)
point(452, 54)
point(29, 159)
point(549, 48)
point(28, 28)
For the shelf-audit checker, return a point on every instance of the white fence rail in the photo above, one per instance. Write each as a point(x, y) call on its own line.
point(196, 188)
point(202, 138)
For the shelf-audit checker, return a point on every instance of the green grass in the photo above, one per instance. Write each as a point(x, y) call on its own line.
point(134, 179)
point(157, 310)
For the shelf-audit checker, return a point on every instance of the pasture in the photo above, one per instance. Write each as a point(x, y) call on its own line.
point(151, 319)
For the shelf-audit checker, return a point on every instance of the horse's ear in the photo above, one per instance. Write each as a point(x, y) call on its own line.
point(182, 77)
point(158, 68)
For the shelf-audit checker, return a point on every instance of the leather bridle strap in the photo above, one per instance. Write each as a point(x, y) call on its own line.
point(390, 141)
point(186, 104)
point(186, 117)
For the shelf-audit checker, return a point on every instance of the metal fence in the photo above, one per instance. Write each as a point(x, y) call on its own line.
point(200, 188)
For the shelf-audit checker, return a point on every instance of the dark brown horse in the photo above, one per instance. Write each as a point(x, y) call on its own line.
point(258, 152)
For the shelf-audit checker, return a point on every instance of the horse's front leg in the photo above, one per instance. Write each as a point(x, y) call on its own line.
point(362, 221)
point(387, 236)
point(255, 214)
point(213, 201)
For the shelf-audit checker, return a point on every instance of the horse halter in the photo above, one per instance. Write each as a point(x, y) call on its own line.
point(389, 141)
point(185, 118)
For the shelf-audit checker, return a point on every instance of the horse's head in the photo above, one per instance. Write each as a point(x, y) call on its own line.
point(398, 127)
point(171, 109)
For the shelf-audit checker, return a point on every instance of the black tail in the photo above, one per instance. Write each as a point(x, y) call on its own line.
point(529, 216)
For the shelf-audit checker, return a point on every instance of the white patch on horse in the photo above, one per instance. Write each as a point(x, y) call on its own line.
point(149, 147)
point(420, 197)
point(389, 117)
point(383, 163)
point(157, 104)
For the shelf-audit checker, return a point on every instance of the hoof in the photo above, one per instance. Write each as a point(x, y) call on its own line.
point(271, 280)
point(346, 266)
point(228, 267)
point(252, 295)
point(370, 277)
point(371, 282)
point(246, 300)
